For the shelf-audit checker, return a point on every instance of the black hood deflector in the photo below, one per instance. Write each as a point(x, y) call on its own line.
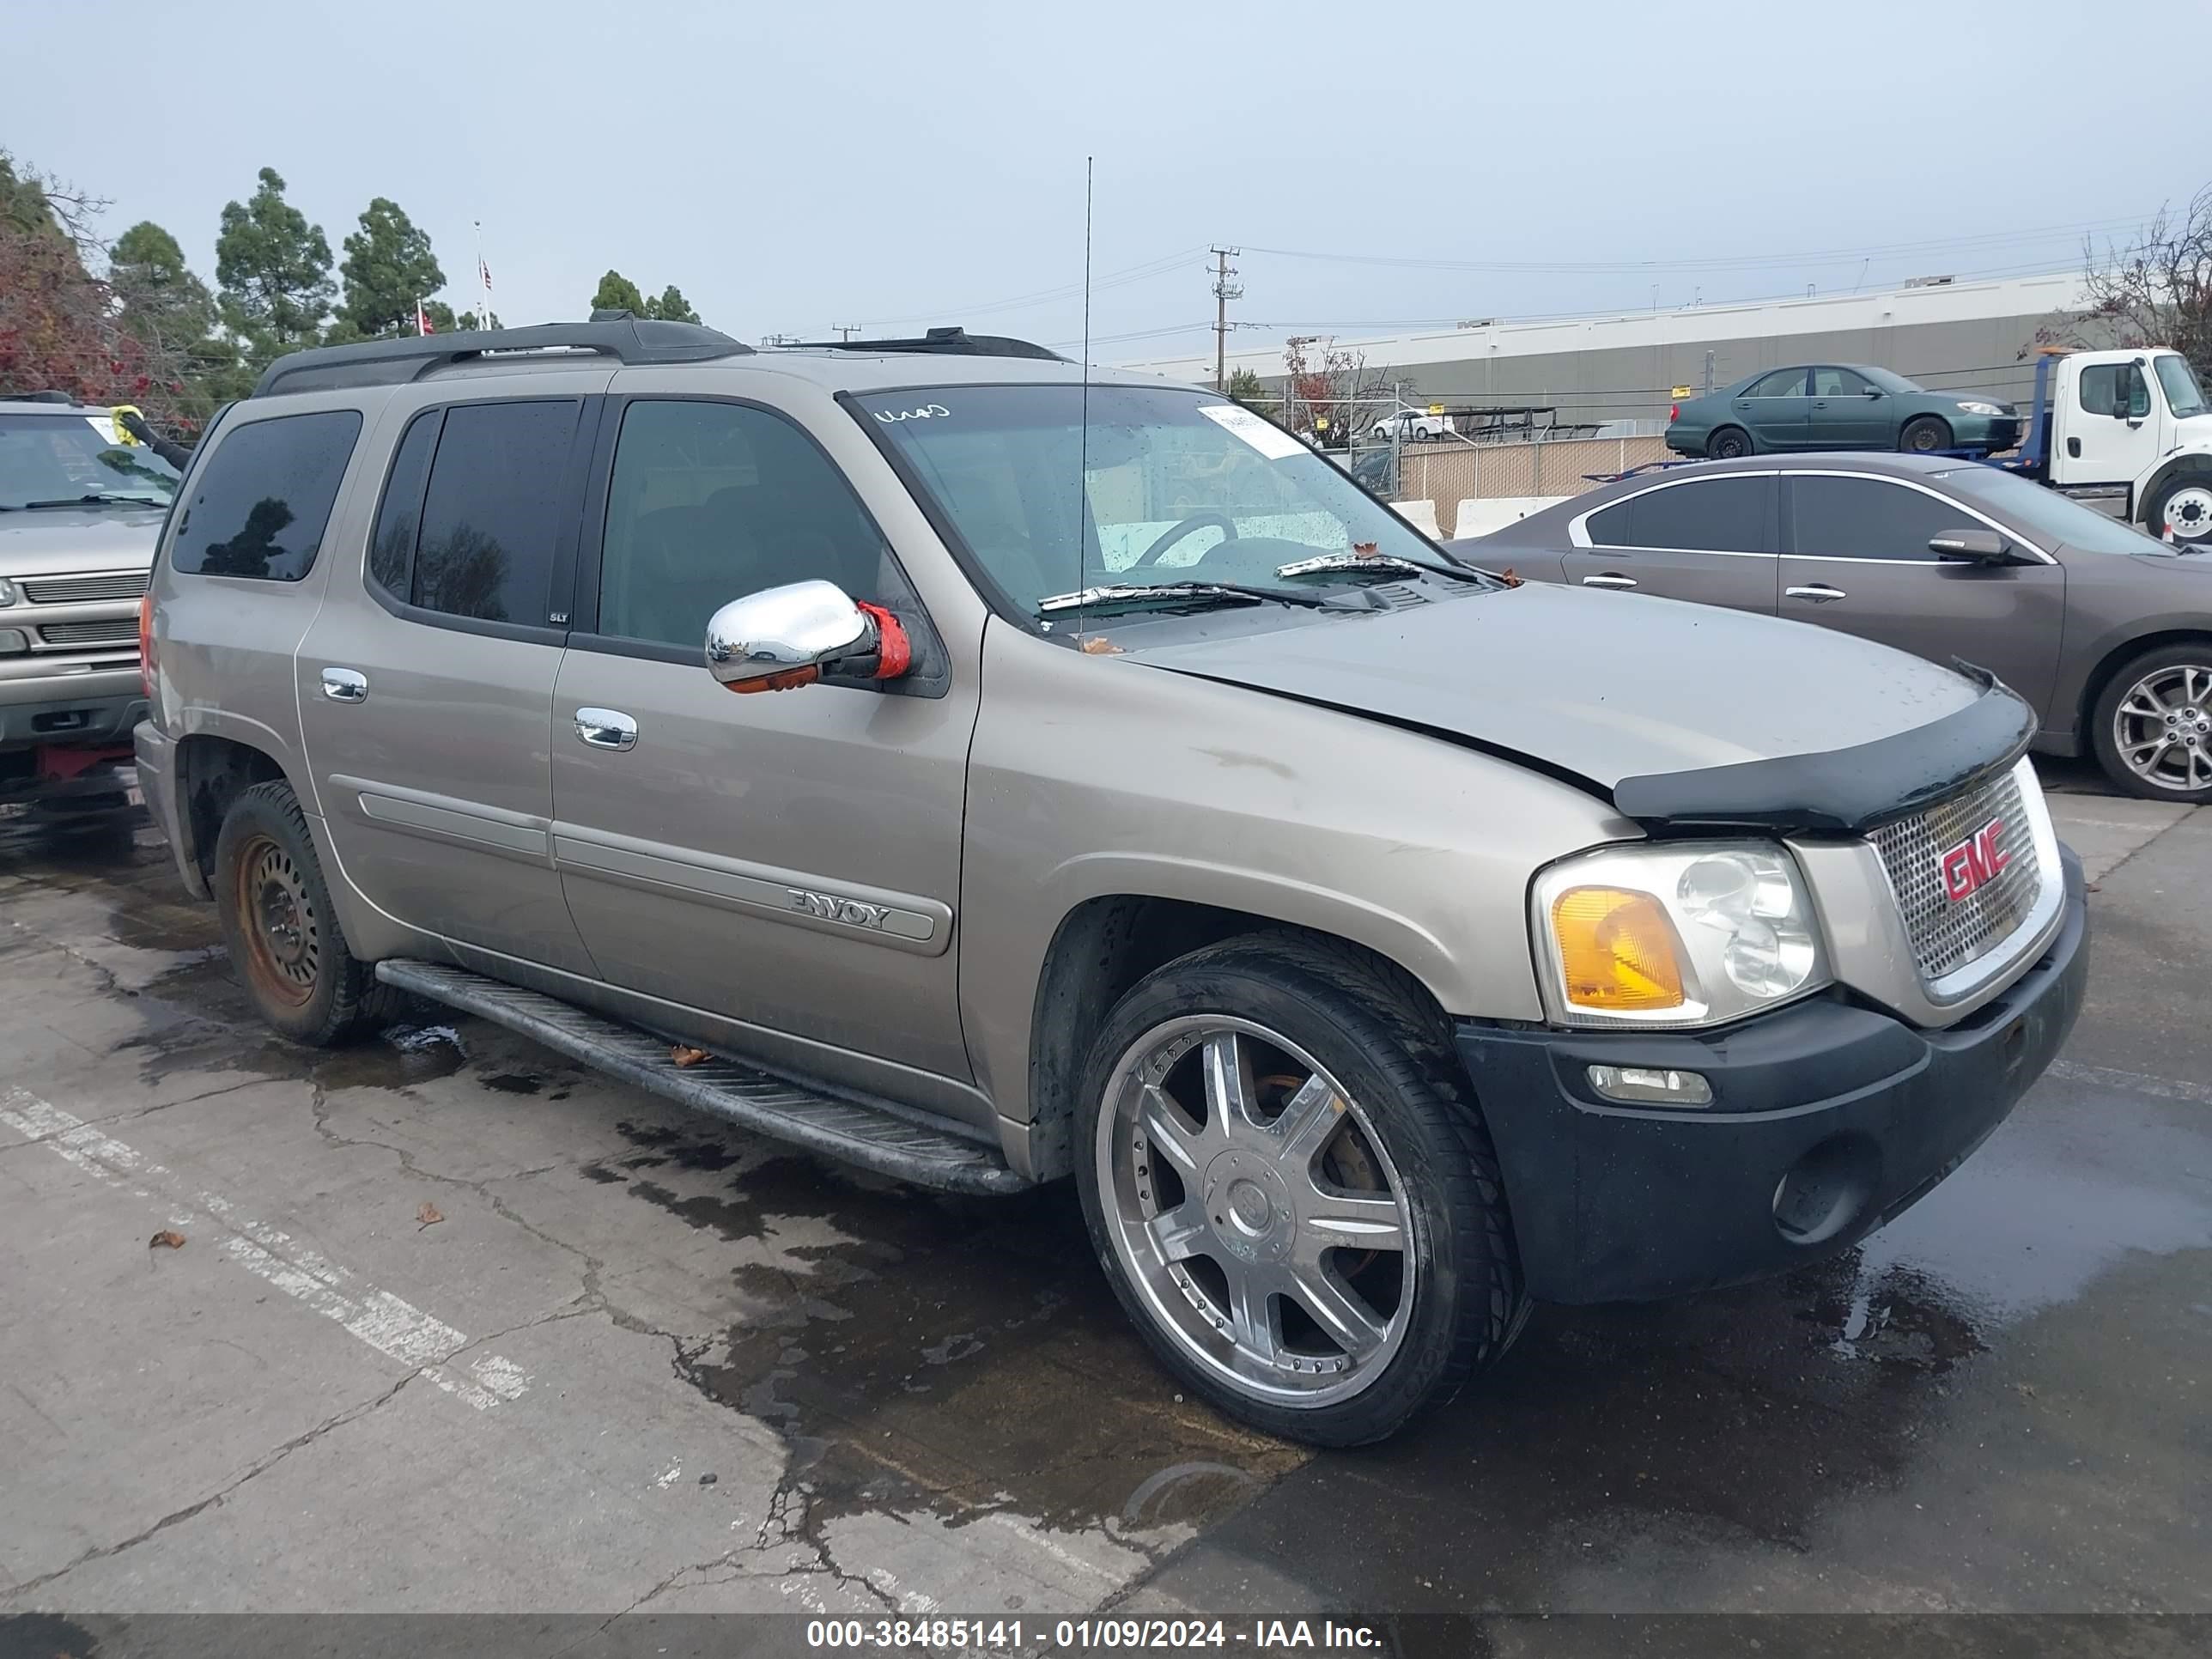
point(1843, 791)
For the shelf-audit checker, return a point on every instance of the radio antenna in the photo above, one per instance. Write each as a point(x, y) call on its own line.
point(1083, 444)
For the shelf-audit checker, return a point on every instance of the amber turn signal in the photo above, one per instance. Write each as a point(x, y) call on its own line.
point(1619, 952)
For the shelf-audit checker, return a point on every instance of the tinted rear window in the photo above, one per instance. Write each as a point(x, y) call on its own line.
point(493, 513)
point(259, 507)
point(1711, 515)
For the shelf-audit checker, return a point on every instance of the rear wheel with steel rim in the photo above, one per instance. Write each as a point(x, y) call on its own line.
point(2153, 725)
point(1729, 443)
point(1293, 1196)
point(2183, 510)
point(278, 922)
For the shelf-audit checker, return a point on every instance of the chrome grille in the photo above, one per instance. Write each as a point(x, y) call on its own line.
point(83, 590)
point(1946, 934)
point(116, 630)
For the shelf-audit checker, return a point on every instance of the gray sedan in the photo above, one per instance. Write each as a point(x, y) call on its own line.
point(2107, 633)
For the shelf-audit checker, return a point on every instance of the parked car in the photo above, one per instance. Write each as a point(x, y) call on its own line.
point(1839, 406)
point(1413, 425)
point(80, 508)
point(1305, 896)
point(2104, 632)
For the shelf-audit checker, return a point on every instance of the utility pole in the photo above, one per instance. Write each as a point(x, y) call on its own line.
point(1223, 292)
point(845, 331)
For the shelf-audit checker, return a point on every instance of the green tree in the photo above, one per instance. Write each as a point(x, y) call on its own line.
point(617, 293)
point(163, 303)
point(673, 307)
point(273, 270)
point(1246, 388)
point(388, 267)
point(470, 319)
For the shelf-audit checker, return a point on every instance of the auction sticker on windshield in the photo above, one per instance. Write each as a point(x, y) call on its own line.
point(1270, 440)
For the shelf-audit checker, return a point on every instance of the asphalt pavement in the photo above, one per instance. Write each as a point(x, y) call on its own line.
point(444, 1323)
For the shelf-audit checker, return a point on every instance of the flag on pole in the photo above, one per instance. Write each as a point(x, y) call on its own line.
point(484, 272)
point(422, 320)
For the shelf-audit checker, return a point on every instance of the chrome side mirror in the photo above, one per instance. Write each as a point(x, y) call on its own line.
point(782, 637)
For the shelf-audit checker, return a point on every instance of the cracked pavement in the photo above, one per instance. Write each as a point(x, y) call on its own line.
point(642, 1363)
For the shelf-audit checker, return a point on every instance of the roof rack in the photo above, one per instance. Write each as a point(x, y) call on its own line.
point(46, 397)
point(629, 339)
point(957, 341)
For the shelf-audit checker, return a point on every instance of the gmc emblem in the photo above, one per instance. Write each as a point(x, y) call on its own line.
point(1974, 860)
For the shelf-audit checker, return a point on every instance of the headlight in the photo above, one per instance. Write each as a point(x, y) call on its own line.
point(1674, 934)
point(7, 591)
point(1980, 409)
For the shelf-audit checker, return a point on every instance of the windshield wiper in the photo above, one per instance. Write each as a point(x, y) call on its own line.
point(98, 498)
point(1356, 559)
point(1136, 593)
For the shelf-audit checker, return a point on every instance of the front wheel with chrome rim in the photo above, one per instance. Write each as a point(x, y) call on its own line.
point(1292, 1192)
point(2153, 724)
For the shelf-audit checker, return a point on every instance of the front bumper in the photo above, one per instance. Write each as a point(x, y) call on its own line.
point(1995, 433)
point(1827, 1120)
point(100, 706)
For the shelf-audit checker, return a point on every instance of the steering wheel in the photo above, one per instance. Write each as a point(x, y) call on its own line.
point(1175, 532)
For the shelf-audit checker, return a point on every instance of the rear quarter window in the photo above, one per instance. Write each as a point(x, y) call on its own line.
point(260, 505)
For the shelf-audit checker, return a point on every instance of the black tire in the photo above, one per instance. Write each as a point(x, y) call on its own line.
point(2104, 721)
point(2195, 528)
point(1361, 1022)
point(1923, 435)
point(1729, 443)
point(268, 881)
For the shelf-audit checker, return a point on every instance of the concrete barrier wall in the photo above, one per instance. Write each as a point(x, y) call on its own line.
point(1449, 473)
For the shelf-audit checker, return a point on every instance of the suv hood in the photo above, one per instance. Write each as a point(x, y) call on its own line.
point(1680, 714)
point(65, 540)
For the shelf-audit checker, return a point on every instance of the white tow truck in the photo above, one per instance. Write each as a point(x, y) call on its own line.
point(2128, 432)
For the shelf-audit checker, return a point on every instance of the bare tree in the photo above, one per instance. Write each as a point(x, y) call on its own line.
point(2154, 289)
point(1335, 387)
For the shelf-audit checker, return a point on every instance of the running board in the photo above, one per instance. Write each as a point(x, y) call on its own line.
point(880, 1138)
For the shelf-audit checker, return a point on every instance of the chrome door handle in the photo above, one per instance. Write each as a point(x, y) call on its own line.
point(345, 685)
point(1819, 593)
point(1609, 581)
point(606, 728)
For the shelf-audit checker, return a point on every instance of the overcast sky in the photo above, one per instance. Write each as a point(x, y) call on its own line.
point(793, 167)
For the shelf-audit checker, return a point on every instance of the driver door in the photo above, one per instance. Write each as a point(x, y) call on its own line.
point(788, 860)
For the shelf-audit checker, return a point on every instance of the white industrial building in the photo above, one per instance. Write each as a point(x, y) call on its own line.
point(1950, 335)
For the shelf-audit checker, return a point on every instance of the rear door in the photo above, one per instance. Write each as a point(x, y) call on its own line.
point(1859, 562)
point(1707, 540)
point(1776, 409)
point(426, 682)
point(789, 859)
point(1849, 411)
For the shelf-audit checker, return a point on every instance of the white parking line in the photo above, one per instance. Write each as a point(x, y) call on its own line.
point(2158, 1088)
point(393, 1327)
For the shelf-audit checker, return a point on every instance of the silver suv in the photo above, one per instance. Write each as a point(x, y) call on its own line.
point(1111, 789)
point(81, 506)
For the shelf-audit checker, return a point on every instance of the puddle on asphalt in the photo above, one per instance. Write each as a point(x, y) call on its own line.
point(925, 1354)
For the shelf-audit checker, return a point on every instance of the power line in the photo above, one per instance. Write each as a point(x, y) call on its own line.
point(1150, 269)
point(1709, 262)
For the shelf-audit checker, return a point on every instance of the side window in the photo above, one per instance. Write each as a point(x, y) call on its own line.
point(2117, 389)
point(263, 500)
point(1609, 528)
point(1838, 518)
point(1783, 383)
point(710, 501)
point(392, 545)
point(1719, 515)
point(1838, 383)
point(491, 514)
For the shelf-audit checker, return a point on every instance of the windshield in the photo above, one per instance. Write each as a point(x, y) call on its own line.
point(2045, 514)
point(2185, 396)
point(63, 458)
point(1180, 487)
